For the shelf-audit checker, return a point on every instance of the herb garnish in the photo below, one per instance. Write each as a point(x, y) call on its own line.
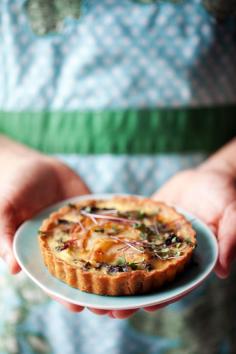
point(43, 233)
point(146, 232)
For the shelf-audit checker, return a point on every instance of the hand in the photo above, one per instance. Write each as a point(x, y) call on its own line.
point(29, 182)
point(209, 192)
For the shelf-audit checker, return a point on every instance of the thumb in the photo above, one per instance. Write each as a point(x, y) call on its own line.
point(70, 183)
point(8, 226)
point(226, 241)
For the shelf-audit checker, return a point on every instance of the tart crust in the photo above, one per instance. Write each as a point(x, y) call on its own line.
point(121, 283)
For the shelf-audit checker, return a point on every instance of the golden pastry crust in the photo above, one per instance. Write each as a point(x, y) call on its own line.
point(149, 263)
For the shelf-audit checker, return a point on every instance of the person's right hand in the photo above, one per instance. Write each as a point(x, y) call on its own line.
point(29, 182)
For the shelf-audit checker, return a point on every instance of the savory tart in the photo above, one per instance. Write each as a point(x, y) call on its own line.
point(117, 246)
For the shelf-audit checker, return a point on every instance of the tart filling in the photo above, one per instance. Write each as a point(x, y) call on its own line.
point(107, 238)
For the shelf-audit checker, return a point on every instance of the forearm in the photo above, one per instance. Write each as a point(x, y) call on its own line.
point(6, 142)
point(223, 159)
point(11, 146)
point(13, 149)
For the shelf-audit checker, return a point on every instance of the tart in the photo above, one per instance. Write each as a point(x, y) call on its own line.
point(118, 246)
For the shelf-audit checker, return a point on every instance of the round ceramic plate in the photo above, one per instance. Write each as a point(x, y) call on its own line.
point(27, 252)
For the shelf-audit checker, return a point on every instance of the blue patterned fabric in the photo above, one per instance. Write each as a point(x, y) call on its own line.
point(117, 54)
point(31, 323)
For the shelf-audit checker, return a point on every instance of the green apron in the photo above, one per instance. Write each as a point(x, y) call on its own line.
point(132, 132)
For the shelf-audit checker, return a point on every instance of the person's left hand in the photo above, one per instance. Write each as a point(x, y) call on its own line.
point(209, 192)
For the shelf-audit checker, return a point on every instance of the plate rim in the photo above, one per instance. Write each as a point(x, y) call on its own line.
point(187, 289)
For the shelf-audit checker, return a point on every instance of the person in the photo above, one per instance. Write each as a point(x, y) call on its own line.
point(77, 95)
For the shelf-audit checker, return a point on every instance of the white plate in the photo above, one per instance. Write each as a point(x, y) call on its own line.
point(28, 255)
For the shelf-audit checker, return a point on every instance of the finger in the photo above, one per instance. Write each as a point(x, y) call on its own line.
point(213, 228)
point(160, 306)
point(67, 305)
point(98, 311)
point(155, 307)
point(70, 183)
point(110, 314)
point(75, 185)
point(8, 225)
point(226, 241)
point(161, 195)
point(167, 303)
point(122, 314)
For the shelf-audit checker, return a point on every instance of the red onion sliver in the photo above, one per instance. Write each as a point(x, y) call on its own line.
point(89, 215)
point(127, 243)
point(108, 217)
point(81, 226)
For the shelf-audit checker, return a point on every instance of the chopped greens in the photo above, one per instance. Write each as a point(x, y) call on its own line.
point(146, 232)
point(121, 261)
point(43, 233)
